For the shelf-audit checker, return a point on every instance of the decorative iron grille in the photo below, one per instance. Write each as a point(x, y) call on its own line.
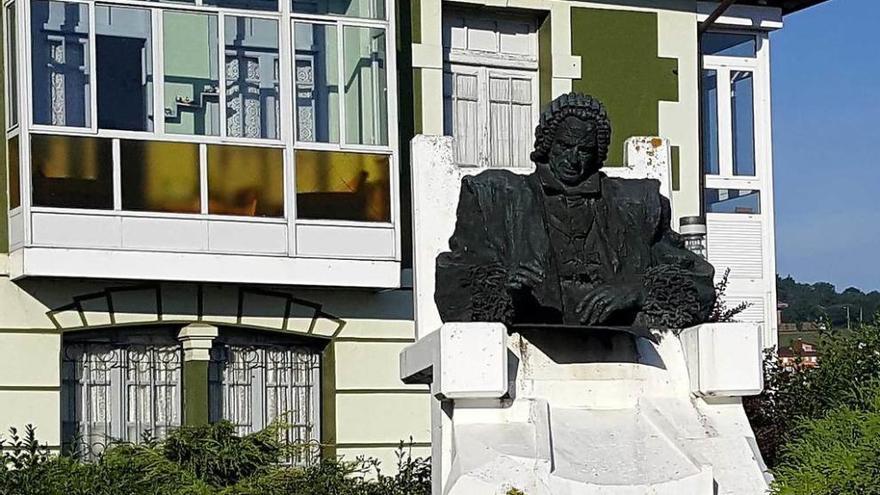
point(254, 385)
point(118, 392)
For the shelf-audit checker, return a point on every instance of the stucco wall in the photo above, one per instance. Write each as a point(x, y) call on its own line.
point(366, 409)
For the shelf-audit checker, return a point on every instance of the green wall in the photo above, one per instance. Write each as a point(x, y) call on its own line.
point(620, 66)
point(195, 393)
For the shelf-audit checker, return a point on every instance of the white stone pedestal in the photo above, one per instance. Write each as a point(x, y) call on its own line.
point(553, 412)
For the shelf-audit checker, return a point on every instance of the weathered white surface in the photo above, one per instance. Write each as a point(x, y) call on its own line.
point(724, 359)
point(466, 361)
point(646, 157)
point(589, 415)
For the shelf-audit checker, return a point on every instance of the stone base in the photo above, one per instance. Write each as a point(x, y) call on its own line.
point(592, 414)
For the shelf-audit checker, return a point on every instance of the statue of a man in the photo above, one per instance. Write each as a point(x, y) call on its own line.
point(568, 244)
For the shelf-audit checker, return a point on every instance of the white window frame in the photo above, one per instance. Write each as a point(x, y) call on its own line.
point(6, 58)
point(355, 230)
point(762, 181)
point(484, 103)
point(485, 66)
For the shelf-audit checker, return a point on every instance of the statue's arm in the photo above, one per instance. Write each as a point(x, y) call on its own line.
point(470, 279)
point(679, 288)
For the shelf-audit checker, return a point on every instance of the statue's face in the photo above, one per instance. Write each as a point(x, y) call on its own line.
point(574, 154)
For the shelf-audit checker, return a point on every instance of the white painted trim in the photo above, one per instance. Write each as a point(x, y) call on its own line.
point(93, 70)
point(221, 72)
point(156, 214)
point(762, 181)
point(202, 267)
point(203, 179)
point(117, 175)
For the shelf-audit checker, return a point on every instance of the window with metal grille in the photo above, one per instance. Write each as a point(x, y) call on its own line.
point(251, 385)
point(119, 389)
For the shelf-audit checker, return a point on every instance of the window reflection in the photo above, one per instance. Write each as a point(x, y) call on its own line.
point(366, 100)
point(729, 44)
point(60, 54)
point(343, 186)
point(742, 104)
point(251, 77)
point(12, 75)
point(123, 46)
point(710, 122)
point(245, 4)
point(316, 76)
point(245, 181)
point(160, 176)
point(733, 201)
point(192, 99)
point(12, 158)
point(370, 9)
point(72, 172)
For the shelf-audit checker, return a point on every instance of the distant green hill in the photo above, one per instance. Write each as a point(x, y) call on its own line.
point(811, 302)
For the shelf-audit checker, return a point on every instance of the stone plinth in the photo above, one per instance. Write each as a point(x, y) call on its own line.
point(603, 413)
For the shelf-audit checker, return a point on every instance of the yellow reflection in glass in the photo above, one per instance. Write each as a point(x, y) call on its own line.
point(333, 185)
point(160, 176)
point(72, 172)
point(245, 181)
point(14, 173)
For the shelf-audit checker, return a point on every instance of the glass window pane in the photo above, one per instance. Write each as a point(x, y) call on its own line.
point(366, 99)
point(733, 201)
point(160, 176)
point(245, 181)
point(12, 158)
point(742, 104)
point(60, 54)
point(729, 44)
point(123, 44)
point(710, 122)
point(252, 77)
point(342, 186)
point(192, 80)
point(271, 5)
point(12, 73)
point(370, 9)
point(72, 172)
point(317, 83)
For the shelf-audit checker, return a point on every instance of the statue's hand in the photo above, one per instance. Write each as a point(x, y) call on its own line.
point(526, 276)
point(602, 302)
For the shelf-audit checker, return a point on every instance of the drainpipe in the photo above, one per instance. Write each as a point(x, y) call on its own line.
point(701, 29)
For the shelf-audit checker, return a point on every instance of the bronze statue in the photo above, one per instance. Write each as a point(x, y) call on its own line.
point(567, 244)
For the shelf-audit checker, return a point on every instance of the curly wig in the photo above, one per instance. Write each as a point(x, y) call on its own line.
point(579, 105)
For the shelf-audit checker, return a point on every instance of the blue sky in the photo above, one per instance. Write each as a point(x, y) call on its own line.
point(826, 129)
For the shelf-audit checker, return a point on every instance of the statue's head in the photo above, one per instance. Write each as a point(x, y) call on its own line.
point(572, 137)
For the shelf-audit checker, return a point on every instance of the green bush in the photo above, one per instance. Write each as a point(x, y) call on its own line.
point(819, 427)
point(837, 454)
point(848, 370)
point(201, 460)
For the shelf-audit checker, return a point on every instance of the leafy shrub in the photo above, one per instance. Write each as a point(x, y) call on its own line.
point(847, 372)
point(200, 460)
point(837, 454)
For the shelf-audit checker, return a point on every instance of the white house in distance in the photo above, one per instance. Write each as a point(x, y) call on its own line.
point(207, 201)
